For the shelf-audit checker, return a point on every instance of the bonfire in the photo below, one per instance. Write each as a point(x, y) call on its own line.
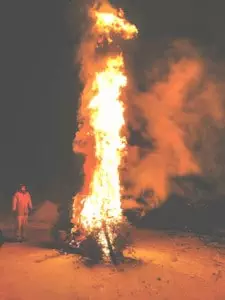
point(97, 213)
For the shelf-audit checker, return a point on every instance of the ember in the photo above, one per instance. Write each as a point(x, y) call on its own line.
point(97, 208)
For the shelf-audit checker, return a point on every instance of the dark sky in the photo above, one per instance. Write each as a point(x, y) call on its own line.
point(39, 84)
point(38, 94)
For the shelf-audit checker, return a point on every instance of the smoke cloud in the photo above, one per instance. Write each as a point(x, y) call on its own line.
point(180, 103)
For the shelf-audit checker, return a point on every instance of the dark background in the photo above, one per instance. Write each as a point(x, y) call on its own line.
point(39, 92)
point(40, 86)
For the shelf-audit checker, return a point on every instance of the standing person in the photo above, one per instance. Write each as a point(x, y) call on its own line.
point(21, 205)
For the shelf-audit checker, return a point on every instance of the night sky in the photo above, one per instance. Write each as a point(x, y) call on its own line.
point(39, 93)
point(40, 87)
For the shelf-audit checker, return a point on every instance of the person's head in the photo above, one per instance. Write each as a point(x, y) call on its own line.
point(23, 188)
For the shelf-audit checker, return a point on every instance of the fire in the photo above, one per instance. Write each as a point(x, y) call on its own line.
point(107, 121)
point(101, 207)
point(109, 24)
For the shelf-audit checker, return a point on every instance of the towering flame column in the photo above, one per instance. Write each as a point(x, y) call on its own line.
point(101, 119)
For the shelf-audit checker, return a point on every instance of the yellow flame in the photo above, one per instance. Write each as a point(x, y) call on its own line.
point(106, 119)
point(108, 24)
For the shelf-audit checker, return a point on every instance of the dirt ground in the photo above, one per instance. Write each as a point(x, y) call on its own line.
point(173, 267)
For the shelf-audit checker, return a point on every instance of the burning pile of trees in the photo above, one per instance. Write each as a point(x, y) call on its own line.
point(100, 245)
point(99, 229)
point(91, 247)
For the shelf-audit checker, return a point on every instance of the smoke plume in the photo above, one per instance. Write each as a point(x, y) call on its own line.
point(179, 103)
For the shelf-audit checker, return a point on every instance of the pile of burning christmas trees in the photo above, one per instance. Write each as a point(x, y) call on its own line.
point(101, 245)
point(99, 231)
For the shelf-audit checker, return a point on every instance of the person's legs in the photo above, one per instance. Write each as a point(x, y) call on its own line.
point(23, 228)
point(19, 227)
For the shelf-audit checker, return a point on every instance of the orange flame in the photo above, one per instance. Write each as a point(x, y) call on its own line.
point(107, 23)
point(105, 122)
